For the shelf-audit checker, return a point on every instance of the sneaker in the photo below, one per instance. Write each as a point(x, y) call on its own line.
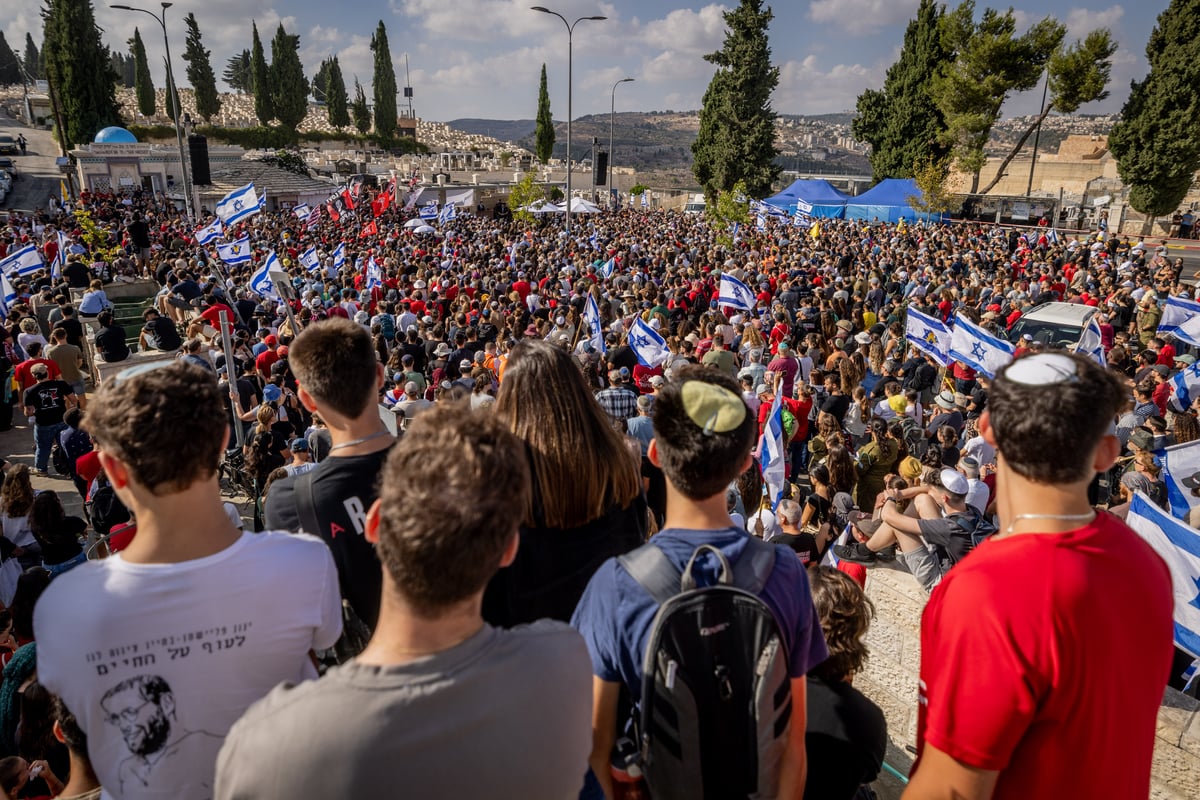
point(856, 552)
point(41, 473)
point(887, 554)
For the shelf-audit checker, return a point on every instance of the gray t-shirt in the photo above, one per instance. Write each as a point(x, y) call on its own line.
point(505, 714)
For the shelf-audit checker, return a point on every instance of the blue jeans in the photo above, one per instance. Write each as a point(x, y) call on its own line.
point(45, 436)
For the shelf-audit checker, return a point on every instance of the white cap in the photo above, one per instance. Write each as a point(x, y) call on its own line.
point(954, 482)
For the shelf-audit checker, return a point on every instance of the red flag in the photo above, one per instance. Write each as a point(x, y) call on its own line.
point(370, 229)
point(349, 198)
point(333, 212)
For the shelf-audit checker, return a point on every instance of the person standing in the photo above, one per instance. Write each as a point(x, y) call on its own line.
point(45, 403)
point(1072, 666)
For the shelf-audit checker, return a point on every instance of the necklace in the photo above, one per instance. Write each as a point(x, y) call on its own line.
point(352, 442)
point(1088, 517)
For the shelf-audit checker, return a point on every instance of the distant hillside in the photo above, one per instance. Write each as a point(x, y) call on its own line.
point(506, 130)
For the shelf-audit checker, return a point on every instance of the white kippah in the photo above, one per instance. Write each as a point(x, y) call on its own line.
point(1042, 369)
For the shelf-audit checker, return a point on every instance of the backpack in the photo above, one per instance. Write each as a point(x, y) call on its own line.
point(58, 459)
point(715, 704)
point(914, 437)
point(974, 524)
point(387, 326)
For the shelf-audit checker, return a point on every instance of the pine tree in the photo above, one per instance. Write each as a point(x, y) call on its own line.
point(901, 122)
point(260, 74)
point(336, 102)
point(172, 95)
point(10, 68)
point(143, 84)
point(383, 85)
point(737, 124)
point(237, 73)
point(544, 134)
point(288, 84)
point(200, 72)
point(359, 110)
point(317, 84)
point(78, 66)
point(33, 59)
point(1155, 140)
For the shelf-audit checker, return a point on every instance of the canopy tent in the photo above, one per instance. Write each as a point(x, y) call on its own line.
point(541, 207)
point(581, 206)
point(888, 201)
point(817, 198)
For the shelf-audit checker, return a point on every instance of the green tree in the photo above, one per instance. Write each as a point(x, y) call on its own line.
point(359, 110)
point(930, 177)
point(336, 102)
point(172, 95)
point(317, 84)
point(10, 68)
point(1078, 74)
point(737, 124)
point(289, 96)
point(383, 84)
point(237, 75)
point(989, 62)
point(544, 134)
point(524, 193)
point(260, 81)
point(200, 72)
point(900, 121)
point(77, 64)
point(143, 84)
point(34, 65)
point(732, 207)
point(1155, 141)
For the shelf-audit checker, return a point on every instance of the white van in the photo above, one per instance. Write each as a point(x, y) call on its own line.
point(1053, 324)
point(695, 205)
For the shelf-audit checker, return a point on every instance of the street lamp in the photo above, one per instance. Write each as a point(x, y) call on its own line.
point(612, 110)
point(570, 52)
point(173, 97)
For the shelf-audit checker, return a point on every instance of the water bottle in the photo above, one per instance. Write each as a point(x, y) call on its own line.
point(627, 772)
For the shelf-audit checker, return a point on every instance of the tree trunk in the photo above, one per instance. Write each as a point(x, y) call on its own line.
point(1016, 149)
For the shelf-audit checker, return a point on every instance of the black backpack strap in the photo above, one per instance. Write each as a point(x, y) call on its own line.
point(654, 572)
point(306, 506)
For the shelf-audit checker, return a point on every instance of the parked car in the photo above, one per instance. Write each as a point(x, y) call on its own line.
point(8, 145)
point(10, 166)
point(1058, 325)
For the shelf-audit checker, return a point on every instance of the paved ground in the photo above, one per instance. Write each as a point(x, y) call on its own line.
point(38, 177)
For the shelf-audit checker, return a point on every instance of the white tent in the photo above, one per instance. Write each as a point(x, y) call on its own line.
point(542, 207)
point(424, 229)
point(415, 222)
point(581, 206)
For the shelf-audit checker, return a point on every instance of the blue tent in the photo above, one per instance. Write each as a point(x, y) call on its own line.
point(816, 198)
point(887, 201)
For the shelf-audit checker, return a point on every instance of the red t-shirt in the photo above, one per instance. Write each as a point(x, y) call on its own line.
point(1033, 657)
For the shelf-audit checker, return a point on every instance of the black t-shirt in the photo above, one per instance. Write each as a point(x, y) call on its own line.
point(49, 401)
point(836, 404)
point(110, 342)
point(846, 732)
point(162, 334)
point(64, 545)
point(344, 487)
point(74, 329)
point(804, 544)
point(622, 356)
point(77, 274)
point(139, 234)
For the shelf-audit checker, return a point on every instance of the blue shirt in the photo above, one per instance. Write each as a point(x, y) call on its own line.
point(615, 613)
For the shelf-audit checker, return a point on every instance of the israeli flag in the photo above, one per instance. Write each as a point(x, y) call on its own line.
point(235, 252)
point(1180, 471)
point(60, 257)
point(736, 227)
point(650, 348)
point(24, 262)
point(591, 313)
point(978, 349)
point(608, 268)
point(594, 241)
point(831, 560)
point(339, 255)
point(1179, 546)
point(1186, 386)
point(429, 210)
point(760, 222)
point(239, 204)
point(309, 259)
point(302, 211)
point(735, 294)
point(8, 295)
point(1052, 236)
point(929, 335)
point(448, 214)
point(374, 275)
point(645, 199)
point(260, 282)
point(770, 453)
point(214, 230)
point(772, 211)
point(1181, 319)
point(801, 218)
point(1090, 343)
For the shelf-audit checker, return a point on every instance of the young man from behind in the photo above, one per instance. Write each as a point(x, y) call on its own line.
point(1044, 654)
point(444, 705)
point(703, 435)
point(159, 649)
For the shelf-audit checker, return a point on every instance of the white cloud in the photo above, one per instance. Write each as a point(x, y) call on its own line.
point(687, 31)
point(1080, 21)
point(805, 88)
point(861, 17)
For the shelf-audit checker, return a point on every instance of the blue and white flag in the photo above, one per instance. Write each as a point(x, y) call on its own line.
point(8, 295)
point(214, 230)
point(1052, 236)
point(1091, 343)
point(60, 255)
point(978, 349)
point(929, 335)
point(645, 199)
point(735, 294)
point(239, 204)
point(1179, 546)
point(1181, 319)
point(374, 276)
point(339, 255)
point(235, 252)
point(260, 281)
point(24, 262)
point(831, 560)
point(429, 210)
point(302, 211)
point(760, 222)
point(1189, 675)
point(1186, 386)
point(448, 214)
point(801, 218)
point(650, 348)
point(591, 313)
point(1180, 471)
point(736, 227)
point(310, 260)
point(770, 453)
point(608, 268)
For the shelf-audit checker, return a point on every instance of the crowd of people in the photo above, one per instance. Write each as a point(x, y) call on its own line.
point(474, 506)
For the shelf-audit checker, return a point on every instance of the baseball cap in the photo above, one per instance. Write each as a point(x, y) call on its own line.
point(299, 445)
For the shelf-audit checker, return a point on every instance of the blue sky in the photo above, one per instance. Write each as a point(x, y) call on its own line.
point(480, 58)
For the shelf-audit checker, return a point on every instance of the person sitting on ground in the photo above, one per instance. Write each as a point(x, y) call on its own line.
point(158, 333)
point(110, 339)
point(519, 701)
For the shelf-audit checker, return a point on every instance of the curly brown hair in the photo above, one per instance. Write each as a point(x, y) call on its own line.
point(845, 613)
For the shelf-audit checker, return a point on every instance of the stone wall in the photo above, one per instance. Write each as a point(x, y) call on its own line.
point(890, 680)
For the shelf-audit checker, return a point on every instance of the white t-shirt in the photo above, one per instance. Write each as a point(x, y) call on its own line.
point(981, 451)
point(157, 661)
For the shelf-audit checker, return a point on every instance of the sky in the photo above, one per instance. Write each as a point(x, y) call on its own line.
point(481, 58)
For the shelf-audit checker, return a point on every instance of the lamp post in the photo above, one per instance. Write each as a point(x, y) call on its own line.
point(172, 97)
point(612, 110)
point(570, 53)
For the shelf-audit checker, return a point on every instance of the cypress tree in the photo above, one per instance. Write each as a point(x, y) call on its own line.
point(260, 76)
point(1155, 141)
point(544, 134)
point(10, 70)
point(78, 66)
point(383, 84)
point(336, 102)
point(200, 72)
point(359, 110)
point(143, 84)
point(737, 124)
point(33, 59)
point(318, 81)
point(290, 88)
point(237, 73)
point(172, 94)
